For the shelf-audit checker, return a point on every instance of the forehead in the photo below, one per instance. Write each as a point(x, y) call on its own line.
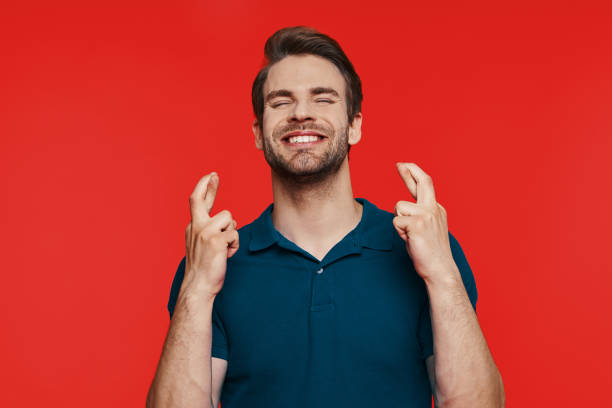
point(303, 72)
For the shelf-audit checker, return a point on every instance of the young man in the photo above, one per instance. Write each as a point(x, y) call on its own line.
point(324, 300)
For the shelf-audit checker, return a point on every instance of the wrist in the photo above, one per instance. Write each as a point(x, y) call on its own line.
point(448, 278)
point(196, 288)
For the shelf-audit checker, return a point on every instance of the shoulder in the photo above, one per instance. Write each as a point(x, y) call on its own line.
point(244, 237)
point(382, 221)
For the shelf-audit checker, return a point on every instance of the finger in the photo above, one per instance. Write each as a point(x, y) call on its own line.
point(211, 191)
point(232, 226)
point(405, 223)
point(401, 231)
point(408, 180)
point(220, 222)
point(198, 206)
point(232, 238)
point(424, 184)
point(403, 208)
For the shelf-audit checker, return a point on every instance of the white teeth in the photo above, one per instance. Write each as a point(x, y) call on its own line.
point(303, 139)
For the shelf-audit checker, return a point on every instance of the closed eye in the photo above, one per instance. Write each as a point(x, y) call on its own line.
point(325, 100)
point(276, 105)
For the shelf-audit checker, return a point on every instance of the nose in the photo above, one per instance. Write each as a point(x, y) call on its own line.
point(301, 112)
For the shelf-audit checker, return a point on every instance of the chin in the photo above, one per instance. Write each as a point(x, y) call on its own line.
point(301, 167)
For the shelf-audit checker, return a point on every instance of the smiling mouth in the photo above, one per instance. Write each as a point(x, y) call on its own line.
point(302, 138)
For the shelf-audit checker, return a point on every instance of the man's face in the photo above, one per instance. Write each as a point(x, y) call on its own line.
point(305, 135)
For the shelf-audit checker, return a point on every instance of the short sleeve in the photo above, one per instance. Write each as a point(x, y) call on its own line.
point(219, 338)
point(425, 329)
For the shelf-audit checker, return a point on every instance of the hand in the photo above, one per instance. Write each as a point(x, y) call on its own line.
point(422, 225)
point(210, 241)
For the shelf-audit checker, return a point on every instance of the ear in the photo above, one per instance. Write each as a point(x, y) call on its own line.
point(257, 134)
point(355, 130)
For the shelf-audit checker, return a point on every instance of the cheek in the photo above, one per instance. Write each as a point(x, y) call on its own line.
point(269, 123)
point(268, 131)
point(340, 127)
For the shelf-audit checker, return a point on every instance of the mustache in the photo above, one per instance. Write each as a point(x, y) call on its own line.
point(295, 127)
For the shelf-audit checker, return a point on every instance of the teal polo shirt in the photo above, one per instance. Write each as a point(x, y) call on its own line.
point(352, 330)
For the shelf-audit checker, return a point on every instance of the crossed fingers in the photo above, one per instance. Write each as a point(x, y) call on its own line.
point(416, 216)
point(221, 225)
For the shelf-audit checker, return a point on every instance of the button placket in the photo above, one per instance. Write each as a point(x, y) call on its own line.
point(321, 296)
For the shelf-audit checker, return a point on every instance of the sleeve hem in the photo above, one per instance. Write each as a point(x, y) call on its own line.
point(219, 353)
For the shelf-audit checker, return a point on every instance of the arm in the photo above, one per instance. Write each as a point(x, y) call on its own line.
point(183, 377)
point(183, 343)
point(464, 373)
point(460, 348)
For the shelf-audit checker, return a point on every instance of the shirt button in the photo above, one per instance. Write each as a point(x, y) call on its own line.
point(320, 271)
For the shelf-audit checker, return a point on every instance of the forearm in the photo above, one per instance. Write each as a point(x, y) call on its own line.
point(465, 373)
point(183, 377)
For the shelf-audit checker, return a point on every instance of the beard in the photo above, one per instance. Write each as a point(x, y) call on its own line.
point(304, 166)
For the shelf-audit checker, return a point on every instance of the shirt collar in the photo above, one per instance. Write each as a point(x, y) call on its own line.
point(372, 231)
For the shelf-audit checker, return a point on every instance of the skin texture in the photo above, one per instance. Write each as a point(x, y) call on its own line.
point(305, 167)
point(301, 109)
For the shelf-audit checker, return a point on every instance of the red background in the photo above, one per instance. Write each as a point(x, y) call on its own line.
point(111, 112)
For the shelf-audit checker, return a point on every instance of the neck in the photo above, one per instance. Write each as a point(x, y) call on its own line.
point(316, 216)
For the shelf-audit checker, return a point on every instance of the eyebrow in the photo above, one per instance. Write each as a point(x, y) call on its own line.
point(313, 91)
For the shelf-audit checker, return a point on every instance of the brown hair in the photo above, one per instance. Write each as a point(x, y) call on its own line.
point(305, 40)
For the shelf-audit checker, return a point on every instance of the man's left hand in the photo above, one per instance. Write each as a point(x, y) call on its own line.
point(422, 225)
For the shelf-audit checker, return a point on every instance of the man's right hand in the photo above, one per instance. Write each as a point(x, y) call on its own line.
point(210, 241)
